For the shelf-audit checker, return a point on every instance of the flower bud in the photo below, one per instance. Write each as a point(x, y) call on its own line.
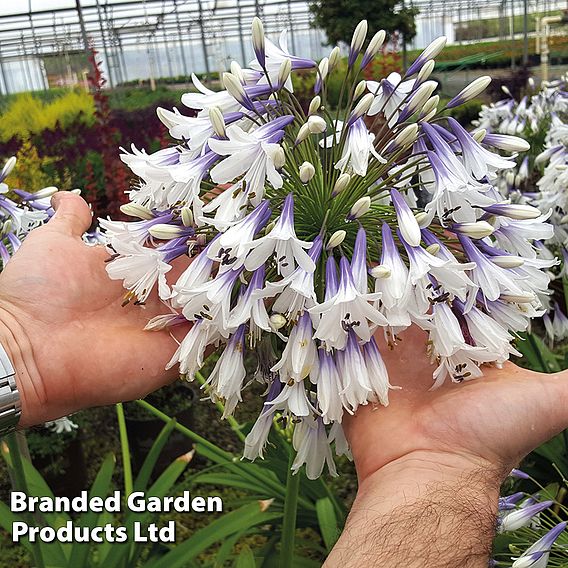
point(507, 261)
point(45, 192)
point(277, 321)
point(8, 167)
point(506, 142)
point(279, 157)
point(380, 271)
point(284, 71)
point(237, 71)
point(336, 239)
point(217, 120)
point(470, 92)
point(361, 108)
point(422, 218)
point(307, 172)
point(373, 48)
point(479, 135)
point(258, 40)
point(135, 210)
point(323, 69)
point(406, 136)
point(360, 89)
point(341, 183)
point(164, 232)
point(235, 88)
point(360, 207)
point(430, 52)
point(303, 133)
point(425, 72)
point(315, 104)
point(357, 41)
point(316, 124)
point(518, 298)
point(76, 191)
point(187, 217)
point(334, 57)
point(430, 105)
point(513, 210)
point(428, 116)
point(419, 98)
point(433, 249)
point(476, 230)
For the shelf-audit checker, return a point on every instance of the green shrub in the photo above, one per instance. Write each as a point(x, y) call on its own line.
point(27, 114)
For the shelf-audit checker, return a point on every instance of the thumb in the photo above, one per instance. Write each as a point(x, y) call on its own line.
point(72, 214)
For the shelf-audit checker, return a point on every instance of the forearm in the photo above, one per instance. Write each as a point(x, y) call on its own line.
point(421, 511)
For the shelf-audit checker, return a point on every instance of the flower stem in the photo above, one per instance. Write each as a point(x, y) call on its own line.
point(125, 449)
point(290, 513)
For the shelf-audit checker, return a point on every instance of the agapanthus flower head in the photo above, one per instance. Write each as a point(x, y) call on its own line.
point(310, 236)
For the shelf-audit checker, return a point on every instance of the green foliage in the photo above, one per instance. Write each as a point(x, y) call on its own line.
point(139, 98)
point(33, 172)
point(27, 114)
point(338, 18)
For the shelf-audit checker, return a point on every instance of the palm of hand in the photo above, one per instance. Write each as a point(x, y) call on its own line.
point(86, 346)
point(494, 420)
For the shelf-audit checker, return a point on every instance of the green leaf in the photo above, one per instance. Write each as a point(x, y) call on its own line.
point(537, 355)
point(555, 451)
point(245, 559)
point(147, 468)
point(230, 523)
point(232, 480)
point(100, 488)
point(327, 522)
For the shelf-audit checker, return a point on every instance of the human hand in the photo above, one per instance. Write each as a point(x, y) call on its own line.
point(431, 463)
point(72, 343)
point(492, 421)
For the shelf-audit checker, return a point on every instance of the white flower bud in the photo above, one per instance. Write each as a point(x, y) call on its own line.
point(360, 89)
point(470, 91)
point(428, 116)
point(507, 261)
point(362, 106)
point(430, 105)
point(505, 89)
point(476, 230)
point(234, 87)
point(375, 44)
point(510, 178)
point(303, 133)
point(518, 298)
point(406, 136)
point(135, 210)
point(269, 227)
point(284, 71)
point(237, 71)
point(76, 191)
point(217, 120)
point(479, 135)
point(508, 143)
point(187, 217)
point(420, 97)
point(258, 39)
point(307, 172)
point(433, 249)
point(334, 57)
point(164, 232)
point(45, 192)
point(8, 167)
point(531, 82)
point(7, 227)
point(380, 271)
point(359, 36)
point(316, 124)
point(426, 71)
point(434, 48)
point(279, 157)
point(315, 104)
point(277, 321)
point(323, 68)
point(422, 218)
point(341, 183)
point(360, 207)
point(336, 239)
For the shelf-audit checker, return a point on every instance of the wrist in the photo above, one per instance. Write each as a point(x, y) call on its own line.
point(423, 509)
point(30, 386)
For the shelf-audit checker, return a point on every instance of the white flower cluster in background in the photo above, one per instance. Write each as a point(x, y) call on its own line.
point(541, 180)
point(310, 251)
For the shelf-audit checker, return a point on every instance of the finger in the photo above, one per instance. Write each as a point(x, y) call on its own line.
point(72, 214)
